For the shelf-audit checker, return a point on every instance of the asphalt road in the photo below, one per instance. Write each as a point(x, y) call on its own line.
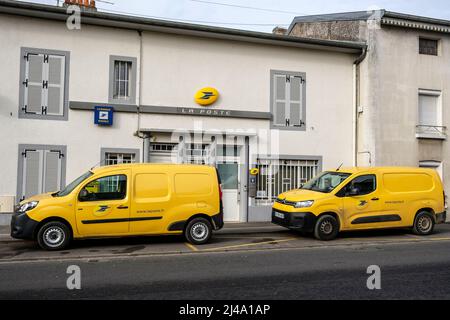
point(411, 268)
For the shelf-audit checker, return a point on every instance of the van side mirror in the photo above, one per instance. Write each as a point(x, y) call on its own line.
point(353, 191)
point(84, 194)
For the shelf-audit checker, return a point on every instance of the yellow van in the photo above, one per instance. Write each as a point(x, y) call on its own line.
point(125, 200)
point(362, 199)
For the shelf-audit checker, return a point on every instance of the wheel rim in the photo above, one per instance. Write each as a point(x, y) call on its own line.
point(199, 231)
point(326, 227)
point(54, 237)
point(424, 224)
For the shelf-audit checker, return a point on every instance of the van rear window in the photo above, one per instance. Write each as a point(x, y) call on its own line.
point(195, 184)
point(407, 182)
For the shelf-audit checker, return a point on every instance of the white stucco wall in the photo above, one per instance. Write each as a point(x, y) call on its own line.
point(175, 67)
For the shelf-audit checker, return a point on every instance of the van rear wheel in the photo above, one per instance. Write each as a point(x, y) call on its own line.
point(327, 228)
point(198, 231)
point(423, 224)
point(54, 236)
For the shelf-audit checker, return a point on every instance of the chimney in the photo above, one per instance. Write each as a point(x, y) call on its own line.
point(87, 5)
point(279, 31)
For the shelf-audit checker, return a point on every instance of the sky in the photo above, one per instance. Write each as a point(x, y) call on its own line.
point(260, 15)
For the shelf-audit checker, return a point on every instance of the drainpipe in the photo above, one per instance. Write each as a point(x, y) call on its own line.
point(138, 133)
point(356, 99)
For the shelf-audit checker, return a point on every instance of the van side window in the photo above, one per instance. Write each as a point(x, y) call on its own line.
point(105, 188)
point(365, 184)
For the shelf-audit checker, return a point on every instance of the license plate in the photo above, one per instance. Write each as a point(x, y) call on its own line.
point(279, 215)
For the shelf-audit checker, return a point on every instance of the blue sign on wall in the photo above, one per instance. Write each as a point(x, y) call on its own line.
point(104, 116)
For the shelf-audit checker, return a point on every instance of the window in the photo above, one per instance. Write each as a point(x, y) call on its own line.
point(288, 91)
point(113, 156)
point(364, 184)
point(44, 84)
point(122, 87)
point(429, 46)
point(106, 188)
point(119, 158)
point(122, 70)
point(326, 182)
point(280, 175)
point(430, 115)
point(41, 170)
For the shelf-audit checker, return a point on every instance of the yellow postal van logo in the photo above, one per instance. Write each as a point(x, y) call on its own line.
point(206, 96)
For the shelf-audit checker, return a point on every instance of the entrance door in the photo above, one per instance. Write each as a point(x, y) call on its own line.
point(229, 176)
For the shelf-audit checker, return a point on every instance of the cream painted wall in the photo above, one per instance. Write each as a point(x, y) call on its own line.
point(175, 67)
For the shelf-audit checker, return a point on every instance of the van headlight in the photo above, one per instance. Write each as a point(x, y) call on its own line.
point(304, 204)
point(28, 206)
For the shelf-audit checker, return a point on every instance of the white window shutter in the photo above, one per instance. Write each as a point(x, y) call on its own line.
point(32, 173)
point(280, 97)
point(295, 101)
point(55, 75)
point(52, 171)
point(428, 108)
point(34, 82)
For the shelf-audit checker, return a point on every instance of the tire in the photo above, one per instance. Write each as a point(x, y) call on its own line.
point(198, 231)
point(423, 224)
point(54, 236)
point(327, 228)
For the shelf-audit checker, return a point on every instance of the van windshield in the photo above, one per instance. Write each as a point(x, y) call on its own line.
point(71, 186)
point(326, 182)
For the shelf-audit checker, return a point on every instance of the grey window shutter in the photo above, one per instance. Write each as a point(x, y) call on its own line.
point(34, 82)
point(32, 177)
point(55, 91)
point(52, 171)
point(279, 99)
point(295, 104)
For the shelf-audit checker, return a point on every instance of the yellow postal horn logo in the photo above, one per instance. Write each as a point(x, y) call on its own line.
point(206, 96)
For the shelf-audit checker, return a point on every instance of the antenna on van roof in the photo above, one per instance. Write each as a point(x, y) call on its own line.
point(97, 164)
point(340, 167)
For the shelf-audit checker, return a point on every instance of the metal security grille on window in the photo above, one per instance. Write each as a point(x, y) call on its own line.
point(119, 158)
point(278, 176)
point(428, 47)
point(288, 100)
point(44, 84)
point(122, 70)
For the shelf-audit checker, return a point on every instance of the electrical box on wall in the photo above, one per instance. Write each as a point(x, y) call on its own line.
point(7, 204)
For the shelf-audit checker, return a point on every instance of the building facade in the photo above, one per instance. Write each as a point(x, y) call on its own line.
point(403, 85)
point(121, 89)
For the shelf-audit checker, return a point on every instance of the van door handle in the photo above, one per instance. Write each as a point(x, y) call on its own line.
point(375, 199)
point(122, 207)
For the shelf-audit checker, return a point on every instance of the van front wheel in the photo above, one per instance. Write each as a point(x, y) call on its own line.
point(198, 231)
point(327, 228)
point(54, 236)
point(423, 224)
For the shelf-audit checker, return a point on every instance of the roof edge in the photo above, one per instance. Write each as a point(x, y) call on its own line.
point(148, 24)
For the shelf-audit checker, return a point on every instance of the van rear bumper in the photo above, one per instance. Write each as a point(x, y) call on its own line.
point(22, 226)
point(441, 217)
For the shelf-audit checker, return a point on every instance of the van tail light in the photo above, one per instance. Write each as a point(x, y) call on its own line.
point(220, 191)
point(445, 201)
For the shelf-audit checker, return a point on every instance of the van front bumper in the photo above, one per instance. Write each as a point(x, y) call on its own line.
point(441, 217)
point(300, 221)
point(22, 226)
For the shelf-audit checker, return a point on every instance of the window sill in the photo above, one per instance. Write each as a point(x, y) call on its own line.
point(281, 128)
point(42, 117)
point(431, 136)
